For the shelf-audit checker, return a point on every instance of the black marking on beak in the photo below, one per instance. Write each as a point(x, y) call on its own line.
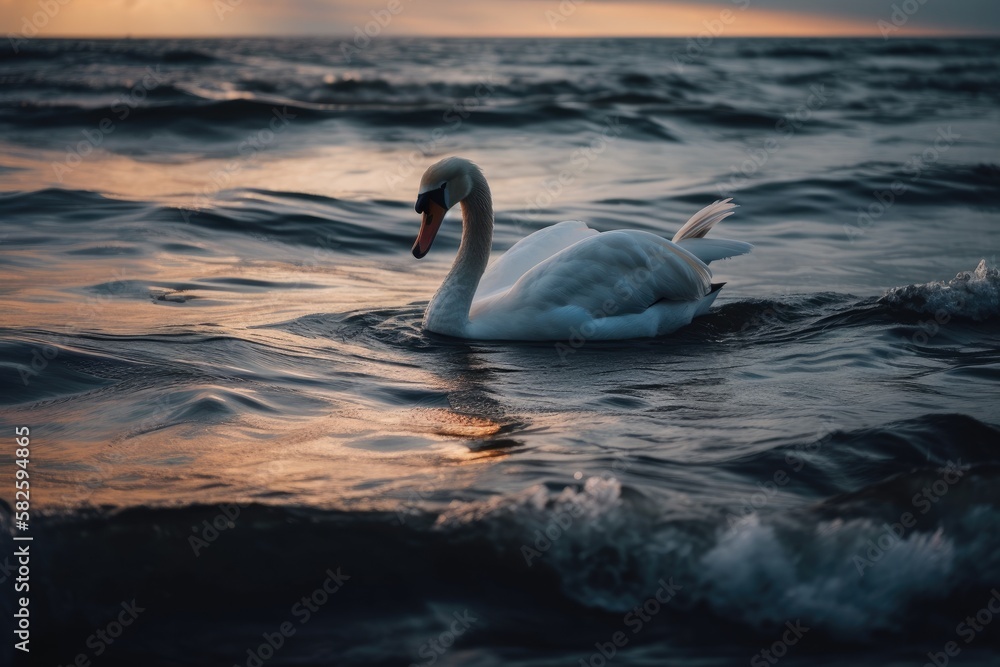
point(436, 196)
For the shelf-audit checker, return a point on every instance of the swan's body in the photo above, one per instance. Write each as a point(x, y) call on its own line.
point(565, 282)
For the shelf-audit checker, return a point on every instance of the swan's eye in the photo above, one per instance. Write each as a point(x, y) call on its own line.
point(436, 196)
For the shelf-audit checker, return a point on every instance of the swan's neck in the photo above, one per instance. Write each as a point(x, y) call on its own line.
point(448, 311)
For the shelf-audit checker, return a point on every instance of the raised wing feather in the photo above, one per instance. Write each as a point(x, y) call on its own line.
point(702, 222)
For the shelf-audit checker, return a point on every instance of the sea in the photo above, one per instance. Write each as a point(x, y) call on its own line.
point(243, 450)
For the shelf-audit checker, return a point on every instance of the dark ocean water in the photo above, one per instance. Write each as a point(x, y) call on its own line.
point(210, 320)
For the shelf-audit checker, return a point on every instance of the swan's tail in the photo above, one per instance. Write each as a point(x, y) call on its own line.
point(708, 300)
point(691, 235)
point(703, 221)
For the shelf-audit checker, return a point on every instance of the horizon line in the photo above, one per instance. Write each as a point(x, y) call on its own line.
point(934, 35)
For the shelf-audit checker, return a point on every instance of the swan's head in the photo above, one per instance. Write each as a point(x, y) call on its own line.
point(443, 185)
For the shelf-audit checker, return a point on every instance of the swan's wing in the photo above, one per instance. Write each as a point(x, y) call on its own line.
point(530, 251)
point(614, 273)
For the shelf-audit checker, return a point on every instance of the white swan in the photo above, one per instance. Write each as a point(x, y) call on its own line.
point(567, 281)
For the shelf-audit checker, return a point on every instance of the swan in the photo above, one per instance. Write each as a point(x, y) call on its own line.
point(566, 281)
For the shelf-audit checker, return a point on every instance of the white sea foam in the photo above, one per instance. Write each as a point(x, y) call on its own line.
point(847, 576)
point(828, 576)
point(971, 294)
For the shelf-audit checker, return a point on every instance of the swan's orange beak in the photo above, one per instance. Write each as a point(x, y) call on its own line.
point(429, 225)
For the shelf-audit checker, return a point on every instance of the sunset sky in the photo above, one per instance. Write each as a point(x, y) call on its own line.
point(569, 18)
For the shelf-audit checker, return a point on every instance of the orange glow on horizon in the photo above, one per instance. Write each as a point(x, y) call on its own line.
point(514, 18)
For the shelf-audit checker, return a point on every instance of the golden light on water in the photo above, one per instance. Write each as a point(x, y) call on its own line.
point(334, 460)
point(191, 184)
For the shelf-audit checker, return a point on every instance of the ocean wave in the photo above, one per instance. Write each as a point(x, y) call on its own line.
point(582, 554)
point(973, 295)
point(326, 224)
point(205, 82)
point(793, 52)
point(139, 52)
point(176, 109)
point(608, 549)
point(62, 204)
point(968, 82)
point(240, 112)
point(840, 460)
point(31, 373)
